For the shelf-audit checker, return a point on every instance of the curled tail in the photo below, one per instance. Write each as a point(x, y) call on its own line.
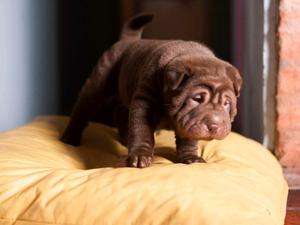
point(134, 27)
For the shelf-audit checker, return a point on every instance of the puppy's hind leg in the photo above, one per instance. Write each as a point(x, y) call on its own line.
point(95, 90)
point(83, 110)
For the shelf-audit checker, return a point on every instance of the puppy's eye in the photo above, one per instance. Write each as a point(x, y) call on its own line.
point(227, 104)
point(200, 98)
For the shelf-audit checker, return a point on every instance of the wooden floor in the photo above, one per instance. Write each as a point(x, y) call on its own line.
point(293, 208)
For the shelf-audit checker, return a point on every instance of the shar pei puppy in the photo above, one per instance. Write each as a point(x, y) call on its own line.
point(141, 85)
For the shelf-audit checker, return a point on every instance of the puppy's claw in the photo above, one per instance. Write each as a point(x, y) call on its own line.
point(192, 159)
point(139, 161)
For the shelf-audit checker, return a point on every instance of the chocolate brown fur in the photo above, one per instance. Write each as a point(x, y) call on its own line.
point(150, 84)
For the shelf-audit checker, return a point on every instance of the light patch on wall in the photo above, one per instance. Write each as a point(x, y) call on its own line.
point(270, 62)
point(28, 66)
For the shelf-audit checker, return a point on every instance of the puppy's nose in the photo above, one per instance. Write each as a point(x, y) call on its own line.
point(213, 123)
point(212, 127)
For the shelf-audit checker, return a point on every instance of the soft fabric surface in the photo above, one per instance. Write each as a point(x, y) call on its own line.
point(43, 181)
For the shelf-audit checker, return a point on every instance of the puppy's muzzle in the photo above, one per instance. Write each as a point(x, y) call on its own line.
point(213, 123)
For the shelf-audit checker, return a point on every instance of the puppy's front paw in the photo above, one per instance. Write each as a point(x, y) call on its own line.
point(191, 159)
point(139, 161)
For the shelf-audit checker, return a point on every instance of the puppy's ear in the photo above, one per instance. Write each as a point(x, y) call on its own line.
point(236, 79)
point(174, 79)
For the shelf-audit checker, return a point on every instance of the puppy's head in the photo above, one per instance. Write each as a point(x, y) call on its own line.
point(200, 96)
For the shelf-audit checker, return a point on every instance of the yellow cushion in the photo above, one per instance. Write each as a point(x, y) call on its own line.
point(43, 181)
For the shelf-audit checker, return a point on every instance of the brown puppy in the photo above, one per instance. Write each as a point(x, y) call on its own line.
point(151, 84)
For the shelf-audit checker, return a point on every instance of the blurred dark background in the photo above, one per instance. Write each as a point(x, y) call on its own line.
point(85, 30)
point(48, 48)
